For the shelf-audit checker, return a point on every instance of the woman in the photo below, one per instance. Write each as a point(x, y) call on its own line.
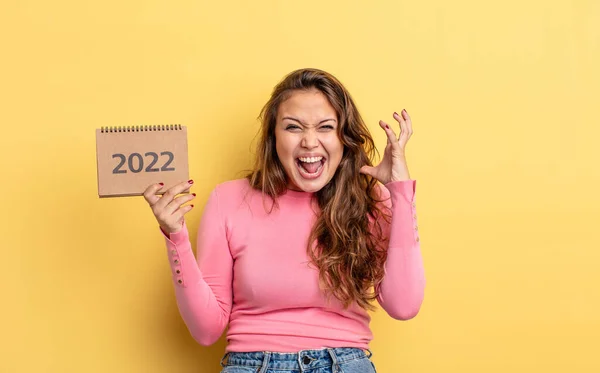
point(290, 257)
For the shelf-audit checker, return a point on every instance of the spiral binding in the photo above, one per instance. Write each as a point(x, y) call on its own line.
point(160, 127)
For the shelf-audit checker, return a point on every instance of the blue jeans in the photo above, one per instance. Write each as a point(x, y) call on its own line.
point(326, 360)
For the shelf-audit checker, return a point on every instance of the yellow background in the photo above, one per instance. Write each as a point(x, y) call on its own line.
point(504, 98)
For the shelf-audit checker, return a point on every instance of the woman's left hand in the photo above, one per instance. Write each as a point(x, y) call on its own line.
point(393, 166)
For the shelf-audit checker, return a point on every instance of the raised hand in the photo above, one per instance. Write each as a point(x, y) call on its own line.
point(393, 166)
point(168, 209)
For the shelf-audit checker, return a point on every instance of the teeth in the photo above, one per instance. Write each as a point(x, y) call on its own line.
point(310, 159)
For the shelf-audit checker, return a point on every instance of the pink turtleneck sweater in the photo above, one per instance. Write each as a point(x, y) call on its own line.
point(251, 273)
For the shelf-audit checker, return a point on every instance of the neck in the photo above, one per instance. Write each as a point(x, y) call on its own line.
point(297, 193)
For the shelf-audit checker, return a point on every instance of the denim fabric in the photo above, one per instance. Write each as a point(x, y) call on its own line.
point(327, 360)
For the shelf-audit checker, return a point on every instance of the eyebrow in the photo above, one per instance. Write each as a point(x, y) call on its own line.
point(323, 121)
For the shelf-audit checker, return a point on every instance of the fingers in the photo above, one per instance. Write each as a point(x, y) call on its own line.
point(402, 123)
point(150, 193)
point(179, 214)
point(405, 126)
point(406, 117)
point(170, 194)
point(167, 209)
point(176, 203)
point(391, 135)
point(367, 170)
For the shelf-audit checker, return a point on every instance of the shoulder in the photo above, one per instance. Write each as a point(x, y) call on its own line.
point(232, 192)
point(233, 187)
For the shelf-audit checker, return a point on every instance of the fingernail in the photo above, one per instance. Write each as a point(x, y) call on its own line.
point(404, 110)
point(192, 206)
point(194, 194)
point(161, 184)
point(191, 181)
point(386, 126)
point(395, 113)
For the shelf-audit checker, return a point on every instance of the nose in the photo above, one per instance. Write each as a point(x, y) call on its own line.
point(310, 140)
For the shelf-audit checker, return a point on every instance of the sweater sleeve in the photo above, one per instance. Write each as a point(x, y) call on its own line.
point(203, 286)
point(402, 289)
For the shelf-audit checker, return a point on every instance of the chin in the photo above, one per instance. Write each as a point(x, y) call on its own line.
point(311, 185)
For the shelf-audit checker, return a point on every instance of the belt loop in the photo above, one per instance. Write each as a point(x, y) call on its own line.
point(336, 367)
point(370, 353)
point(265, 362)
point(223, 364)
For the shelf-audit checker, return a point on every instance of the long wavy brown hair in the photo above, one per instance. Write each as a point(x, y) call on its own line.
point(347, 243)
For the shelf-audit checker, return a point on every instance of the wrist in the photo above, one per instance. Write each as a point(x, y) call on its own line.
point(401, 175)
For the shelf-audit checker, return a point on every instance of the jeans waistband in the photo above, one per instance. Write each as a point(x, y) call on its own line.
point(302, 360)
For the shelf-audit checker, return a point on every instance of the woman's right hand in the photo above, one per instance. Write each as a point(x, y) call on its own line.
point(168, 209)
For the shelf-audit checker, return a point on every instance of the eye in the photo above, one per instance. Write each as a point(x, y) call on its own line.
point(327, 127)
point(292, 127)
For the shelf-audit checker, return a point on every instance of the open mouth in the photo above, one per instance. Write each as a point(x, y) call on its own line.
point(310, 167)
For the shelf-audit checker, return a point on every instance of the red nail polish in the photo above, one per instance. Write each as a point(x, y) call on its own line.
point(194, 194)
point(191, 181)
point(192, 206)
point(161, 184)
point(386, 126)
